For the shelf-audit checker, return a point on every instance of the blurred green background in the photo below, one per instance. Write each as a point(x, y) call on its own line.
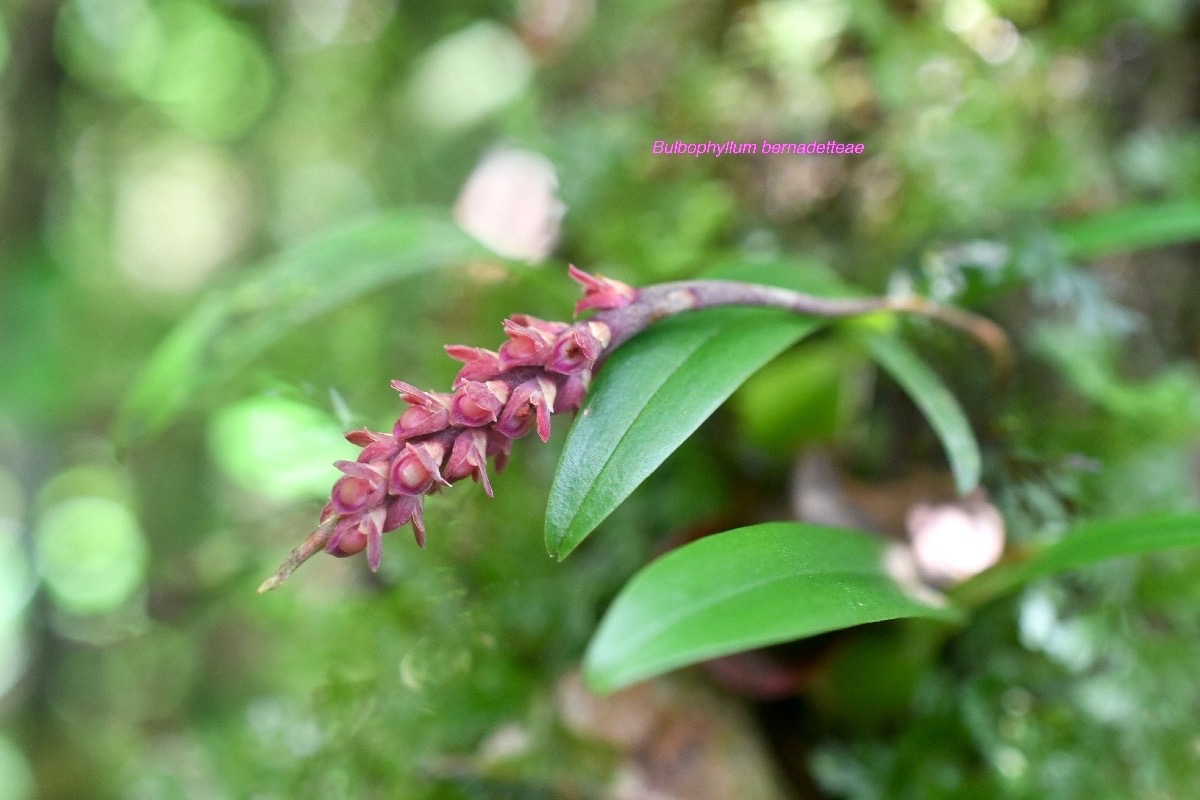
point(153, 153)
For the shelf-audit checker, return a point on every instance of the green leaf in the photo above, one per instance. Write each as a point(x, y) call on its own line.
point(748, 588)
point(1089, 543)
point(227, 330)
point(655, 391)
point(935, 401)
point(652, 394)
point(1132, 229)
point(802, 397)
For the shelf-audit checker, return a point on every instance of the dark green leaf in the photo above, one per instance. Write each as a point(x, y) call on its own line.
point(230, 328)
point(1132, 229)
point(800, 398)
point(1089, 543)
point(748, 588)
point(935, 401)
point(653, 393)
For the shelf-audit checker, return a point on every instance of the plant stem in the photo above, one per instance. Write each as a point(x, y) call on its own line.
point(667, 299)
point(314, 544)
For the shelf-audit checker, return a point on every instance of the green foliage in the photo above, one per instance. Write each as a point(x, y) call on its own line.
point(935, 402)
point(228, 330)
point(747, 588)
point(1132, 229)
point(1036, 162)
point(1087, 544)
point(654, 392)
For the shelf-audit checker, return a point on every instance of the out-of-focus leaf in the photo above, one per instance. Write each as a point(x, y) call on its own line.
point(935, 401)
point(230, 328)
point(1158, 408)
point(1132, 229)
point(655, 391)
point(748, 588)
point(799, 398)
point(1089, 543)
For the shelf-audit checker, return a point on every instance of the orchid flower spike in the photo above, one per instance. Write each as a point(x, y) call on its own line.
point(543, 368)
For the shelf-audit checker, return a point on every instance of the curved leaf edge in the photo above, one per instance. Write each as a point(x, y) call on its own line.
point(175, 376)
point(603, 674)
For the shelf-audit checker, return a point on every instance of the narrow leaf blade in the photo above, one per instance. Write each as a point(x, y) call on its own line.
point(1132, 228)
point(936, 402)
point(227, 330)
point(658, 388)
point(748, 588)
point(1089, 543)
point(653, 393)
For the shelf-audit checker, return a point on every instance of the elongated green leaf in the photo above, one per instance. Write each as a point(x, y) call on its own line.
point(1089, 543)
point(653, 393)
point(936, 402)
point(747, 588)
point(657, 389)
point(230, 328)
point(1132, 228)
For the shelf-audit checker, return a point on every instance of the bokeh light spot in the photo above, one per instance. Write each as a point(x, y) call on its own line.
point(278, 447)
point(509, 204)
point(16, 777)
point(471, 74)
point(199, 67)
point(181, 211)
point(92, 554)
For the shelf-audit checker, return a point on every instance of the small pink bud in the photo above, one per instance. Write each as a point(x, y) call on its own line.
point(477, 404)
point(530, 403)
point(499, 448)
point(600, 292)
point(417, 468)
point(478, 364)
point(544, 401)
point(407, 509)
point(572, 392)
point(418, 421)
point(376, 446)
point(549, 329)
point(351, 495)
point(361, 488)
point(468, 459)
point(400, 511)
point(372, 527)
point(578, 348)
point(362, 437)
point(347, 540)
point(517, 418)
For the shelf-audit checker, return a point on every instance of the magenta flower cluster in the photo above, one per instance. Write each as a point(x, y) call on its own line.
point(544, 368)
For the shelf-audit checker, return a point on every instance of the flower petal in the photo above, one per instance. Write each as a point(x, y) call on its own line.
point(578, 348)
point(543, 399)
point(418, 522)
point(477, 404)
point(371, 528)
point(468, 458)
point(600, 292)
point(478, 364)
point(572, 392)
